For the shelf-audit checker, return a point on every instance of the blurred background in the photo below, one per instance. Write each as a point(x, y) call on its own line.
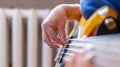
point(38, 4)
point(25, 53)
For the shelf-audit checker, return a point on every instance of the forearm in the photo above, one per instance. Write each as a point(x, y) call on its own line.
point(72, 11)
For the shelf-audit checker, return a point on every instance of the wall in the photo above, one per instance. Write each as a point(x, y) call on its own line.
point(40, 4)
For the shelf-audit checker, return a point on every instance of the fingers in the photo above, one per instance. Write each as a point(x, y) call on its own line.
point(52, 34)
point(69, 62)
point(50, 27)
point(74, 61)
point(83, 59)
point(89, 59)
point(79, 60)
point(89, 55)
point(62, 35)
point(47, 39)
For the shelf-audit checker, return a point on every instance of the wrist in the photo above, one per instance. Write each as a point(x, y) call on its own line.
point(72, 11)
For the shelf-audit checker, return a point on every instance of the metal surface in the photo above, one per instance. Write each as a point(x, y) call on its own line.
point(21, 40)
point(4, 60)
point(17, 39)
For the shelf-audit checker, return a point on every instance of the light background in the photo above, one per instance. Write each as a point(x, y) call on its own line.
point(40, 4)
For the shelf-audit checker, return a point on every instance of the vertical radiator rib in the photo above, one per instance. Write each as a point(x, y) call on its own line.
point(17, 39)
point(4, 61)
point(46, 56)
point(32, 37)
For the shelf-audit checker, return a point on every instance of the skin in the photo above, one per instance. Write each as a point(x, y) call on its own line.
point(79, 60)
point(53, 27)
point(53, 31)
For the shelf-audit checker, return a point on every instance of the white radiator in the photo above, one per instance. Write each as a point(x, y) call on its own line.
point(20, 39)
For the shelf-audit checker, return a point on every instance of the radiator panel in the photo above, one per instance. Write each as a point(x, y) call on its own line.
point(17, 39)
point(20, 32)
point(4, 43)
point(32, 39)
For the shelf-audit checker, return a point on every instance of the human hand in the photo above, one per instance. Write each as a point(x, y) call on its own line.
point(53, 27)
point(80, 60)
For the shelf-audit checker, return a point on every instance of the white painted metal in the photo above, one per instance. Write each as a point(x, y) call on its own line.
point(4, 61)
point(17, 39)
point(46, 56)
point(32, 37)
